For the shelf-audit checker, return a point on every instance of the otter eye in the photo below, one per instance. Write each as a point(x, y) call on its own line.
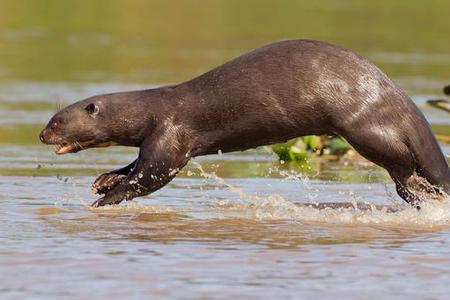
point(92, 109)
point(54, 125)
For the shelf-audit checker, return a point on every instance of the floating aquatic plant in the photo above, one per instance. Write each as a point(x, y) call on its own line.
point(300, 149)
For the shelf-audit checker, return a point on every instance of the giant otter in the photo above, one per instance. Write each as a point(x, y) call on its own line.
point(269, 95)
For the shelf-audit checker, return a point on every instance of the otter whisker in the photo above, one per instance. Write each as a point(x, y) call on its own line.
point(79, 145)
point(58, 103)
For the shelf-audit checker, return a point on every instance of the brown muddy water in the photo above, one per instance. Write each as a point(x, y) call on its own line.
point(234, 225)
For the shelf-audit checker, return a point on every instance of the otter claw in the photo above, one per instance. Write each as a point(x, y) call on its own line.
point(105, 201)
point(106, 182)
point(97, 203)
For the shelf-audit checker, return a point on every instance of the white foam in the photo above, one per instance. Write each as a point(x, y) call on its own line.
point(133, 207)
point(433, 213)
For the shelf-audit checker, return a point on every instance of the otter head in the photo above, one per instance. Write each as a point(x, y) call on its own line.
point(77, 127)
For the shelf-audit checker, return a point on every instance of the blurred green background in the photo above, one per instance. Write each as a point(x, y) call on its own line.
point(61, 51)
point(168, 41)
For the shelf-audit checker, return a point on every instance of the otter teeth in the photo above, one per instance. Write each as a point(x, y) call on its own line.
point(59, 147)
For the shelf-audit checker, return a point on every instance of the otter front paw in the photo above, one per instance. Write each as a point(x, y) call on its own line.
point(106, 182)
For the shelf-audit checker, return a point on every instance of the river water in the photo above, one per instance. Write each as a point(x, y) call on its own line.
point(233, 225)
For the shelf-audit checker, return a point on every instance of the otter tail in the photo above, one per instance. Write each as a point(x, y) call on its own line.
point(430, 161)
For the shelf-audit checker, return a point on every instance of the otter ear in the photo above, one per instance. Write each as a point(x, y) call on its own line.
point(92, 109)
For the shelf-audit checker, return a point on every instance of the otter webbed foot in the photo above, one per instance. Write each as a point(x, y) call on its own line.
point(106, 182)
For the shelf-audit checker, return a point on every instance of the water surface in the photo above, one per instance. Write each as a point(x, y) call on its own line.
point(235, 225)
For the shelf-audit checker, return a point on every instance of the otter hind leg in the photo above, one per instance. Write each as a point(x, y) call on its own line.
point(394, 155)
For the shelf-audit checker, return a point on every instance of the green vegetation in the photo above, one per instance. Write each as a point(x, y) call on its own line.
point(301, 149)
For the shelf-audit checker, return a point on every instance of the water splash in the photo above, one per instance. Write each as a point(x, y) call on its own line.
point(300, 177)
point(274, 207)
point(432, 213)
point(132, 207)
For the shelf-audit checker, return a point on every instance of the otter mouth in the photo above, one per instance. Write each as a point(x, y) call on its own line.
point(64, 148)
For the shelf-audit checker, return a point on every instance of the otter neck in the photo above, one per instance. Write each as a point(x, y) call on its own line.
point(137, 114)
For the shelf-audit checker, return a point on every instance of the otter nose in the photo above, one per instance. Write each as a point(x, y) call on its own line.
point(41, 136)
